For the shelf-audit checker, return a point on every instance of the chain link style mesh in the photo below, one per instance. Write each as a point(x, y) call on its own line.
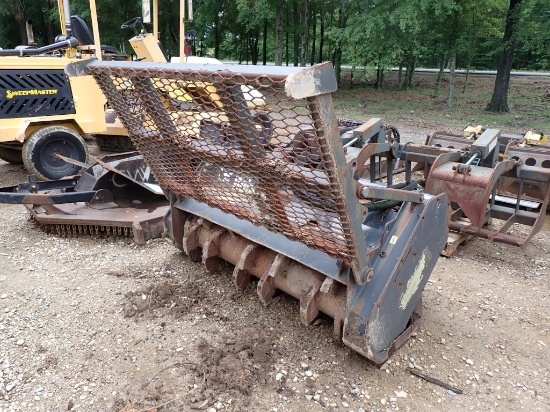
point(238, 143)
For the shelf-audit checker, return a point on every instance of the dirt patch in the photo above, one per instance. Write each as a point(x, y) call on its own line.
point(225, 373)
point(166, 298)
point(238, 362)
point(167, 390)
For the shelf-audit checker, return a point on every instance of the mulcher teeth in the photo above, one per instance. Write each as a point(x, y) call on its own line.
point(64, 230)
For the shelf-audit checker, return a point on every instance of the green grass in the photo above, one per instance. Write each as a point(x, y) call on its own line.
point(528, 99)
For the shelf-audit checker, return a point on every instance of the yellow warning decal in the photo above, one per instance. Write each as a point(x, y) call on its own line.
point(32, 92)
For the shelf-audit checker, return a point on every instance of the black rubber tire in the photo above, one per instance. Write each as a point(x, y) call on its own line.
point(40, 147)
point(11, 155)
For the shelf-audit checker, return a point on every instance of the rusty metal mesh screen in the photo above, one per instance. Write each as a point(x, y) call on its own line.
point(237, 143)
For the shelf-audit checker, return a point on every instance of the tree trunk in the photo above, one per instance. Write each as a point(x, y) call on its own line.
point(321, 35)
point(296, 49)
point(47, 26)
point(379, 78)
point(400, 73)
point(338, 47)
point(499, 100)
point(313, 34)
point(279, 35)
point(287, 38)
point(452, 67)
point(409, 69)
point(440, 74)
point(466, 79)
point(254, 46)
point(338, 64)
point(264, 44)
point(19, 15)
point(305, 33)
point(217, 36)
point(353, 68)
point(410, 73)
point(330, 25)
point(471, 49)
point(240, 49)
point(379, 74)
point(411, 63)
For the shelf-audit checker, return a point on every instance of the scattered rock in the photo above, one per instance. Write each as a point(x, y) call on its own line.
point(400, 394)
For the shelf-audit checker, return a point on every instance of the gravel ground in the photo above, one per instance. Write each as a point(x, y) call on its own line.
point(105, 325)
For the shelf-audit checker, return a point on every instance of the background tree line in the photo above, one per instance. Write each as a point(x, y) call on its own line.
point(375, 34)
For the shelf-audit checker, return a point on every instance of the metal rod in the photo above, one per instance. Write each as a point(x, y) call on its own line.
point(156, 19)
point(471, 159)
point(30, 34)
point(67, 17)
point(190, 10)
point(434, 381)
point(182, 31)
point(348, 144)
point(464, 167)
point(61, 13)
point(377, 192)
point(518, 199)
point(493, 196)
point(95, 26)
point(408, 170)
point(46, 198)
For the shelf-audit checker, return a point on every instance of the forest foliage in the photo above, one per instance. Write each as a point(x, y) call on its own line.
point(374, 34)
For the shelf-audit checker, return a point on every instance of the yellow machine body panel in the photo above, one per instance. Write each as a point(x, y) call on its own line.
point(25, 104)
point(147, 48)
point(38, 63)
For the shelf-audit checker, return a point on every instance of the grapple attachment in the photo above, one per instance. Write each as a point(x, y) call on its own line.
point(256, 172)
point(492, 179)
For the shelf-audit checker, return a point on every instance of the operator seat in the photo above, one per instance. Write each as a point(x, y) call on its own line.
point(84, 36)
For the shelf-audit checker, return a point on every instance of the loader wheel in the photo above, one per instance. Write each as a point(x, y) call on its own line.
point(11, 155)
point(41, 147)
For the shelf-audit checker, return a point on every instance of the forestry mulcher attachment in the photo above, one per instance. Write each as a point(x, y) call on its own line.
point(258, 175)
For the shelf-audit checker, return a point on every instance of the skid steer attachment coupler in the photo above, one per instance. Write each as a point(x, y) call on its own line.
point(257, 174)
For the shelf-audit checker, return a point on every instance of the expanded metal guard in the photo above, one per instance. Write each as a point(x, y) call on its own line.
point(236, 141)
